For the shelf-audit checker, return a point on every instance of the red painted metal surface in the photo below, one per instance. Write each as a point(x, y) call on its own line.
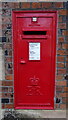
point(34, 76)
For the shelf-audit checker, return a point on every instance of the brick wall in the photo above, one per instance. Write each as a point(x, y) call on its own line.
point(6, 89)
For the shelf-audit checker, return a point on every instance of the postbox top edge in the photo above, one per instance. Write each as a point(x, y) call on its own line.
point(34, 11)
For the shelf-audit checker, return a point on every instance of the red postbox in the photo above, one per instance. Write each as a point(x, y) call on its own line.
point(34, 41)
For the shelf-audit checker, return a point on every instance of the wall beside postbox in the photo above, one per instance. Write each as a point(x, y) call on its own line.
point(34, 40)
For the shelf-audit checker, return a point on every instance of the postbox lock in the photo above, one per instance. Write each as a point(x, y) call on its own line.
point(34, 19)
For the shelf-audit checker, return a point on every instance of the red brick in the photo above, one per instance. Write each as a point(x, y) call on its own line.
point(66, 52)
point(65, 32)
point(67, 100)
point(63, 94)
point(60, 58)
point(61, 83)
point(67, 106)
point(3, 106)
point(46, 5)
point(59, 89)
point(64, 100)
point(62, 12)
point(62, 25)
point(59, 46)
point(10, 95)
point(61, 52)
point(60, 19)
point(64, 46)
point(65, 89)
point(36, 5)
point(62, 106)
point(5, 95)
point(4, 89)
point(7, 46)
point(8, 59)
point(60, 65)
point(67, 59)
point(59, 77)
point(10, 89)
point(66, 65)
point(16, 5)
point(8, 77)
point(9, 106)
point(61, 71)
point(58, 4)
point(10, 53)
point(25, 5)
point(61, 39)
point(7, 83)
point(11, 100)
point(56, 106)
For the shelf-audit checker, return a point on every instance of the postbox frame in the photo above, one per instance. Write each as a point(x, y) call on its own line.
point(16, 14)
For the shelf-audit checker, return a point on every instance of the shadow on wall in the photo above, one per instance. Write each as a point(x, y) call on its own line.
point(14, 115)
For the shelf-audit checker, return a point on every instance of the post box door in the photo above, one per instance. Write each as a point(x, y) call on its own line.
point(34, 60)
